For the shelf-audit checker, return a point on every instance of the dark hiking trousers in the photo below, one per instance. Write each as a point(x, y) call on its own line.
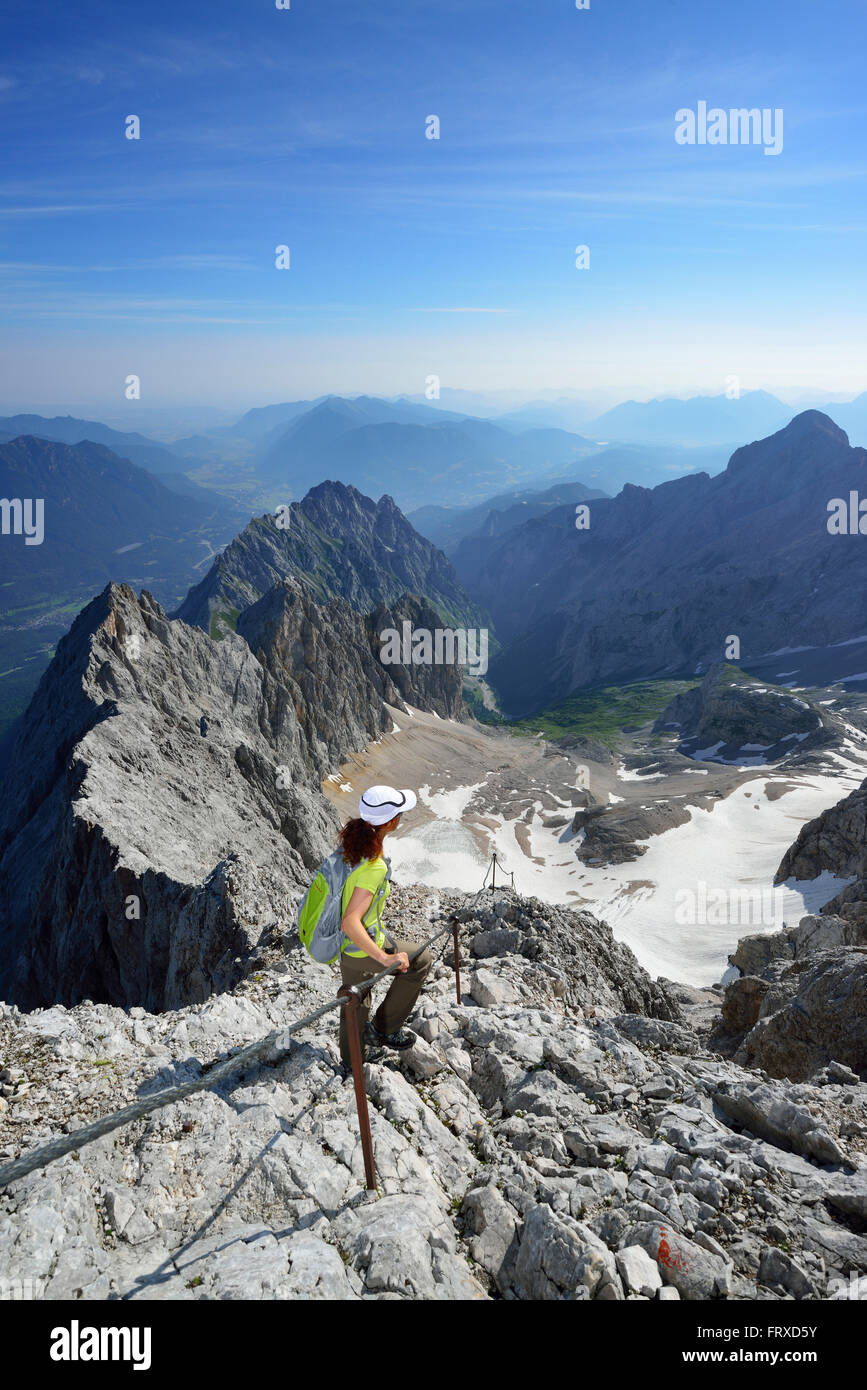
point(398, 1004)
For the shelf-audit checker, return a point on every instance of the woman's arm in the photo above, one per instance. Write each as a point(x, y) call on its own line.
point(355, 928)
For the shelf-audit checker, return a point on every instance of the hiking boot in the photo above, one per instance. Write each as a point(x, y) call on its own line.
point(399, 1040)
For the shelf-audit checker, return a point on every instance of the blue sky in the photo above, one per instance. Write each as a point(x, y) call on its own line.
point(412, 256)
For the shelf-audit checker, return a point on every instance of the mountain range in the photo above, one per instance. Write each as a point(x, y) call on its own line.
point(714, 538)
point(697, 420)
point(417, 460)
point(723, 419)
point(662, 577)
point(68, 429)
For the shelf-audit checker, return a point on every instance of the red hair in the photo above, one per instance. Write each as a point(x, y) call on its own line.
point(360, 840)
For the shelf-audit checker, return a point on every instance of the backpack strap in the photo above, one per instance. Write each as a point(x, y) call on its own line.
point(380, 894)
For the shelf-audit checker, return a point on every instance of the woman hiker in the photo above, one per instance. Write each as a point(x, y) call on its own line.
point(368, 949)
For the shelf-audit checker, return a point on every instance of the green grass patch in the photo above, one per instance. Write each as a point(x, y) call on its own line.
point(606, 712)
point(223, 621)
point(475, 703)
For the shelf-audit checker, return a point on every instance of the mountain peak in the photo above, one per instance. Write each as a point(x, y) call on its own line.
point(813, 422)
point(808, 439)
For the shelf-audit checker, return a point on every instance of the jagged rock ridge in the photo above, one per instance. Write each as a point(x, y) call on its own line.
point(143, 782)
point(162, 805)
point(338, 543)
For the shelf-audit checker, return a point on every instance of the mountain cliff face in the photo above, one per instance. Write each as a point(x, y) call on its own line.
point(835, 841)
point(339, 544)
point(663, 576)
point(161, 808)
point(328, 658)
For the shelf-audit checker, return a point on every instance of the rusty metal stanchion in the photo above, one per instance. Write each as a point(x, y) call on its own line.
point(493, 871)
point(353, 1030)
point(457, 960)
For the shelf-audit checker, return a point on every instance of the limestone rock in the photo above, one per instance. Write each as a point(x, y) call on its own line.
point(695, 1273)
point(769, 1114)
point(640, 1274)
point(820, 1017)
point(491, 990)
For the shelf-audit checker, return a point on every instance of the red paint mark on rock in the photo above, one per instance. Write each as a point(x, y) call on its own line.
point(672, 1259)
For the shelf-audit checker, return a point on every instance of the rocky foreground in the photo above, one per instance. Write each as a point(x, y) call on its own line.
point(565, 1133)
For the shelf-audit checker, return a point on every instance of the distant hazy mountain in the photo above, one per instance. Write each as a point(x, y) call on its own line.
point(699, 420)
point(562, 414)
point(338, 543)
point(105, 518)
point(664, 576)
point(287, 443)
point(448, 526)
point(66, 429)
point(424, 453)
point(484, 404)
point(259, 421)
point(432, 461)
point(267, 423)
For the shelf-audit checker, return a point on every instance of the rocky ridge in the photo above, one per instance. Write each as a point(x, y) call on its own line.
point(799, 1006)
point(543, 1140)
point(337, 543)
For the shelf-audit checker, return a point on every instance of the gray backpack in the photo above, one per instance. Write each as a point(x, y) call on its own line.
point(320, 913)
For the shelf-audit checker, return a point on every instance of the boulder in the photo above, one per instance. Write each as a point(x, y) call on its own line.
point(559, 1258)
point(742, 1002)
point(498, 942)
point(822, 1018)
point(491, 1225)
point(767, 1113)
point(777, 1269)
point(640, 1274)
point(491, 990)
point(697, 1274)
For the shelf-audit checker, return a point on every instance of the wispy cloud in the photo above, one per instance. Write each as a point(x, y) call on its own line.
point(460, 309)
point(55, 209)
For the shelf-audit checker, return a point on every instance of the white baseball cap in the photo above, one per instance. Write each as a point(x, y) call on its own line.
point(378, 805)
